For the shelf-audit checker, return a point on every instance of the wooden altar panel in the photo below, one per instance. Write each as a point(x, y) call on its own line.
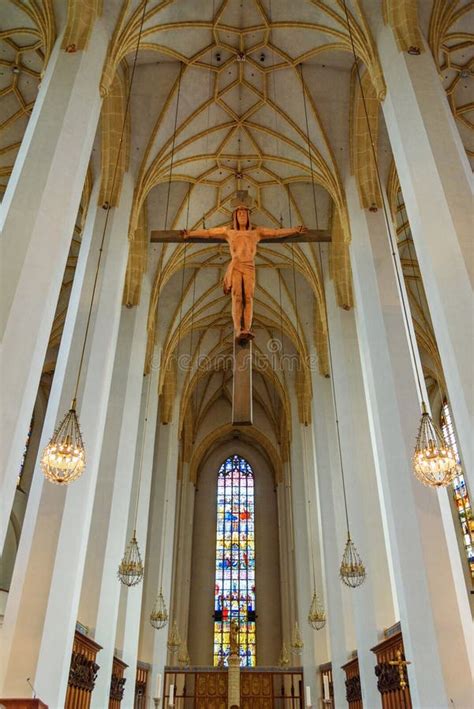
point(353, 689)
point(211, 690)
point(388, 678)
point(117, 683)
point(256, 690)
point(82, 672)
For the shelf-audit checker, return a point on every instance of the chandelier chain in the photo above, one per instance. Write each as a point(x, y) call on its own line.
point(384, 209)
point(108, 207)
point(333, 386)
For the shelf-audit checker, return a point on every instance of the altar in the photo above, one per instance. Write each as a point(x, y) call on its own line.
point(207, 688)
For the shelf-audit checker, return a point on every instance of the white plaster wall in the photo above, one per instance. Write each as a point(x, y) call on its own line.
point(268, 599)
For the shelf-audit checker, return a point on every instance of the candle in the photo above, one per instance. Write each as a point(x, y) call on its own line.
point(308, 696)
point(326, 687)
point(171, 699)
point(158, 686)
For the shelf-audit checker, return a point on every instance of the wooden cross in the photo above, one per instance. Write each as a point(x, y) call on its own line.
point(401, 664)
point(242, 383)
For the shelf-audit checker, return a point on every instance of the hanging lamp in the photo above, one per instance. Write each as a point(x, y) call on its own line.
point(159, 614)
point(297, 643)
point(284, 659)
point(174, 639)
point(64, 458)
point(352, 571)
point(130, 571)
point(434, 461)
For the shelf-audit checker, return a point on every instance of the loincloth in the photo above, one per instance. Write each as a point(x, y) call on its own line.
point(246, 268)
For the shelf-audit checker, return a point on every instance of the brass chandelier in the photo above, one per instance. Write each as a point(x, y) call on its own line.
point(297, 643)
point(64, 458)
point(159, 614)
point(434, 460)
point(130, 570)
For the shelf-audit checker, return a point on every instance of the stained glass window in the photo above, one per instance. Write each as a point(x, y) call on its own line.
point(461, 497)
point(234, 594)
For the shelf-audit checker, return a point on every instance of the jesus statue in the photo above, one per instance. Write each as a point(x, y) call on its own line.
point(239, 279)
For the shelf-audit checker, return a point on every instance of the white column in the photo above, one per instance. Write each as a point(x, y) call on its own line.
point(160, 547)
point(303, 554)
point(373, 607)
point(433, 604)
point(64, 592)
point(100, 593)
point(133, 598)
point(183, 554)
point(328, 479)
point(24, 615)
point(437, 186)
point(37, 218)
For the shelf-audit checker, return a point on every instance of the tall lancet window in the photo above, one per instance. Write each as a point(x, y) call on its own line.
point(234, 595)
point(461, 497)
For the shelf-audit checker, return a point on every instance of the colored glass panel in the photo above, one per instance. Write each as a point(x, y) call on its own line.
point(461, 497)
point(234, 593)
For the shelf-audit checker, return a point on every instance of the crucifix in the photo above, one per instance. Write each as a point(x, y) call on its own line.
point(401, 665)
point(239, 281)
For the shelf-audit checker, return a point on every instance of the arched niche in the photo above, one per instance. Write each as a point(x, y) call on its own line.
point(267, 554)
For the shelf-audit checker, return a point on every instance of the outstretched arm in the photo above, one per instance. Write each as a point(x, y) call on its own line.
point(278, 233)
point(217, 233)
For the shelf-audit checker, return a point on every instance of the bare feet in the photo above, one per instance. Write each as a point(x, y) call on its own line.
point(245, 336)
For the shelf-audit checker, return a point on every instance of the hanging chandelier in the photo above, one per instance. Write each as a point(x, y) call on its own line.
point(284, 659)
point(183, 656)
point(352, 570)
point(64, 458)
point(434, 461)
point(174, 639)
point(159, 614)
point(130, 571)
point(297, 643)
point(317, 614)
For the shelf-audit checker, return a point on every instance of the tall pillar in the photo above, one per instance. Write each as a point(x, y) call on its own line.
point(37, 218)
point(160, 543)
point(435, 632)
point(100, 592)
point(61, 525)
point(35, 557)
point(183, 555)
point(328, 479)
point(373, 607)
point(132, 601)
point(300, 494)
point(437, 186)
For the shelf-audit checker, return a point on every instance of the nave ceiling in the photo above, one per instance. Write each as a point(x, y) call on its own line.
point(240, 124)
